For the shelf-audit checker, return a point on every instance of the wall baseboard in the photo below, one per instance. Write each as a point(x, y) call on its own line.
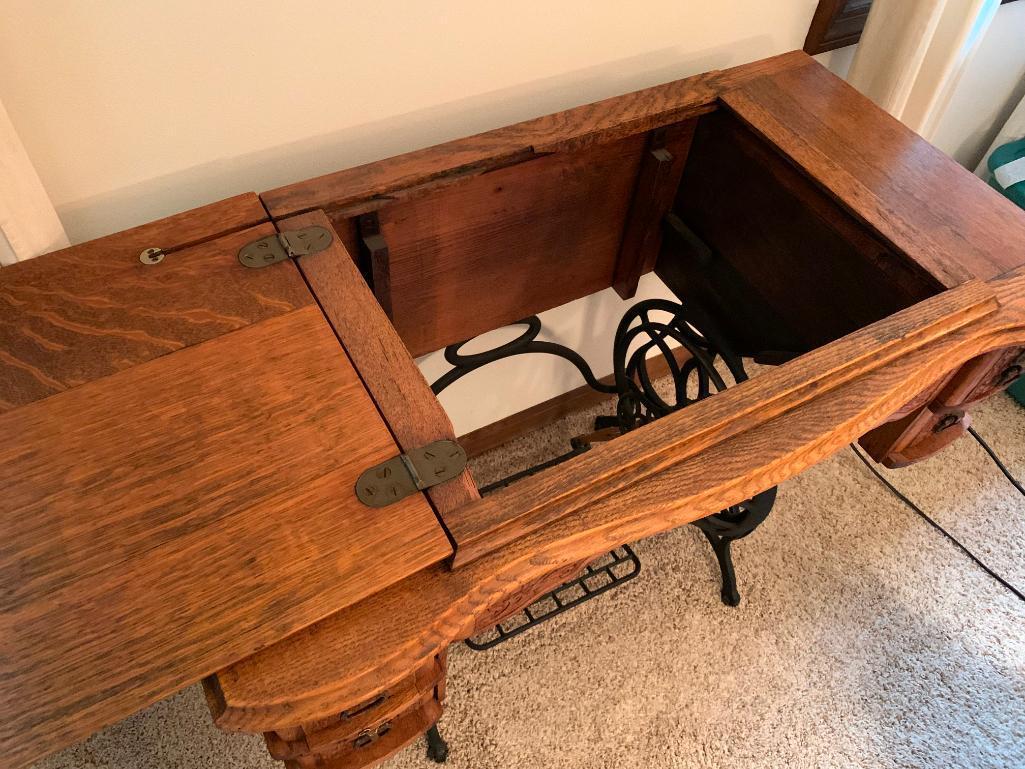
point(496, 434)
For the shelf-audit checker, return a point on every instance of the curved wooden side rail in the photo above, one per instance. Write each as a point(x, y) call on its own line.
point(706, 457)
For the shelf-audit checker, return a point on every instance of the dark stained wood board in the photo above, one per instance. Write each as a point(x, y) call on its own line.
point(836, 24)
point(497, 247)
point(167, 520)
point(940, 215)
point(84, 312)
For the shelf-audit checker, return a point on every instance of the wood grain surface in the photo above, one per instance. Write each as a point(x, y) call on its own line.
point(927, 206)
point(403, 397)
point(537, 501)
point(816, 405)
point(372, 185)
point(84, 312)
point(507, 244)
point(167, 520)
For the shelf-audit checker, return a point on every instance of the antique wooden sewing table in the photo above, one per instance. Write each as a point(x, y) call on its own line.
point(187, 406)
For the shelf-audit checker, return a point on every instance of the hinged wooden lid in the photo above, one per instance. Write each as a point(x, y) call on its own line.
point(179, 448)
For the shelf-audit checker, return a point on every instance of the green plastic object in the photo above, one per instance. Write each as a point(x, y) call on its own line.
point(1001, 156)
point(1017, 391)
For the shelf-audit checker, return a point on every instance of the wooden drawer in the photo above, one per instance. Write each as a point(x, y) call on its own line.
point(362, 718)
point(940, 416)
point(372, 746)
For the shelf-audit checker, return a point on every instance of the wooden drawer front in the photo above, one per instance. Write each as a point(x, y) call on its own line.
point(943, 419)
point(983, 376)
point(374, 745)
point(362, 718)
point(915, 436)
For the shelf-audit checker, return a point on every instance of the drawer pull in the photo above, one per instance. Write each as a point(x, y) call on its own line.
point(359, 710)
point(368, 737)
point(364, 739)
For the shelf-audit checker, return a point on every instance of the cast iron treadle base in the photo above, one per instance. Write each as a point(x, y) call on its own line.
point(437, 748)
point(601, 575)
point(724, 528)
point(721, 547)
point(647, 327)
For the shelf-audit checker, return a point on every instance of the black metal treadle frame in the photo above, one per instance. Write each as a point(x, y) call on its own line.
point(638, 334)
point(638, 404)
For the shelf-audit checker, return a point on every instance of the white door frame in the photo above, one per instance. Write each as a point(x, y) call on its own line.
point(29, 225)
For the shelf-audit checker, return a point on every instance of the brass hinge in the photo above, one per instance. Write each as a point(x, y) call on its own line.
point(409, 473)
point(282, 245)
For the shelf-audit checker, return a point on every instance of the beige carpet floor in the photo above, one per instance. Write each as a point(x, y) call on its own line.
point(864, 639)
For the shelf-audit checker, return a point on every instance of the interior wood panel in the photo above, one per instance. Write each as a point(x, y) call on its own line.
point(165, 521)
point(787, 268)
point(90, 310)
point(503, 245)
point(937, 213)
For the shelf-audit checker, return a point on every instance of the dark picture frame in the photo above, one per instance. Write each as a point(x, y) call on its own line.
point(839, 23)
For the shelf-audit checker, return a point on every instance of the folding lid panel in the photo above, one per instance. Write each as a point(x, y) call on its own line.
point(179, 447)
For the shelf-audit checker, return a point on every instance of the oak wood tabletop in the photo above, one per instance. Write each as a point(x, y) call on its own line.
point(190, 504)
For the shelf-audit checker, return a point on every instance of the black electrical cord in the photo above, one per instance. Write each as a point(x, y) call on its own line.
point(921, 513)
point(996, 461)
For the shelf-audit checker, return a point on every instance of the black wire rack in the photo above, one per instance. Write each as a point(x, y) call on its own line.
point(601, 575)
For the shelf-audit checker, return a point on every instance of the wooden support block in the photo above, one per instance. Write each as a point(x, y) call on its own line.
point(659, 176)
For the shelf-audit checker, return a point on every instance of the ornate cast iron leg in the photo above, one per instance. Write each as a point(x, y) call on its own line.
point(721, 548)
point(725, 527)
point(650, 326)
point(437, 748)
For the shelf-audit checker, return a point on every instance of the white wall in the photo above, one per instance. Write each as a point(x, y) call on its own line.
point(136, 109)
